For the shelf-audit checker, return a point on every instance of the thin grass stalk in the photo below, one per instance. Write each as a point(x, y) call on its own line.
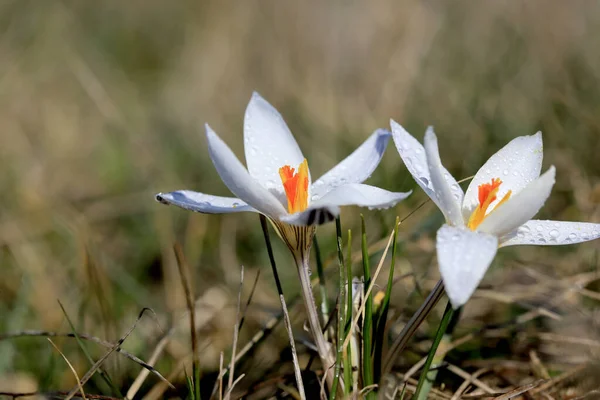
point(184, 273)
point(288, 325)
point(349, 307)
point(341, 312)
point(424, 385)
point(383, 313)
point(411, 326)
point(83, 348)
point(322, 287)
point(367, 331)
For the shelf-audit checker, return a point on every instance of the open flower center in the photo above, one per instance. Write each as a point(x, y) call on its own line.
point(488, 193)
point(296, 186)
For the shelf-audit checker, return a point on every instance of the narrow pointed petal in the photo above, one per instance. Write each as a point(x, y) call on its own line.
point(268, 143)
point(520, 208)
point(355, 168)
point(313, 215)
point(413, 156)
point(463, 256)
point(551, 233)
point(358, 194)
point(447, 191)
point(517, 164)
point(204, 203)
point(238, 180)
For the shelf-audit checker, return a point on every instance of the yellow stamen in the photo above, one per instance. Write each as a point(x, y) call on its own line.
point(487, 195)
point(296, 186)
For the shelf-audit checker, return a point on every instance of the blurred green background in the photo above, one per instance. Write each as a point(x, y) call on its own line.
point(102, 104)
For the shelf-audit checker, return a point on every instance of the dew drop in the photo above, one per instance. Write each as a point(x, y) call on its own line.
point(539, 228)
point(505, 172)
point(524, 229)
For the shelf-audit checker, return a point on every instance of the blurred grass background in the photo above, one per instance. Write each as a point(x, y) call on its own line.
point(102, 104)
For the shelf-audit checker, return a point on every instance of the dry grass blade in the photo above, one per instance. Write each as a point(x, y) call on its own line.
point(79, 383)
point(235, 336)
point(239, 378)
point(297, 371)
point(98, 363)
point(94, 339)
point(191, 305)
point(472, 377)
point(369, 290)
point(518, 391)
point(139, 380)
point(411, 326)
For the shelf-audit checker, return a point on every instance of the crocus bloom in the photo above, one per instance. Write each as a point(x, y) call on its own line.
point(495, 211)
point(277, 184)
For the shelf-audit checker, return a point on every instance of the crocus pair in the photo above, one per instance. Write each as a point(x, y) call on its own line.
point(495, 211)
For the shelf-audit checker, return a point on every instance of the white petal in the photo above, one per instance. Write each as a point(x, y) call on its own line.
point(237, 179)
point(313, 215)
point(445, 187)
point(517, 164)
point(203, 203)
point(464, 256)
point(520, 208)
point(355, 168)
point(268, 143)
point(551, 233)
point(413, 156)
point(362, 195)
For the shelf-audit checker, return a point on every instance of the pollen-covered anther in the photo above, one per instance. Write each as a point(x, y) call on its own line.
point(295, 185)
point(488, 193)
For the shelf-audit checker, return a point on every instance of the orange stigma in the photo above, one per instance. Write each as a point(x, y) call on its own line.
point(296, 186)
point(487, 195)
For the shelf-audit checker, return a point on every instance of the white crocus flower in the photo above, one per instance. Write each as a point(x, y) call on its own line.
point(495, 211)
point(277, 184)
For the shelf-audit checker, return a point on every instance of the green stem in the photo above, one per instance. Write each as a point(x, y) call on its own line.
point(341, 316)
point(368, 317)
point(288, 326)
point(348, 371)
point(322, 287)
point(425, 381)
point(383, 310)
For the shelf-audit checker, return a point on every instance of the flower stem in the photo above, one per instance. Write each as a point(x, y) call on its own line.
point(427, 377)
point(288, 325)
point(323, 347)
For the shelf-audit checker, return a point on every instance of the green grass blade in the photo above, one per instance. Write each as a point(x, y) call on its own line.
point(426, 381)
point(341, 316)
point(383, 310)
point(367, 331)
point(322, 287)
point(102, 373)
point(349, 308)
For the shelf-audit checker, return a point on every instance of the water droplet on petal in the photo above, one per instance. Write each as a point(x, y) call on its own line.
point(554, 233)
